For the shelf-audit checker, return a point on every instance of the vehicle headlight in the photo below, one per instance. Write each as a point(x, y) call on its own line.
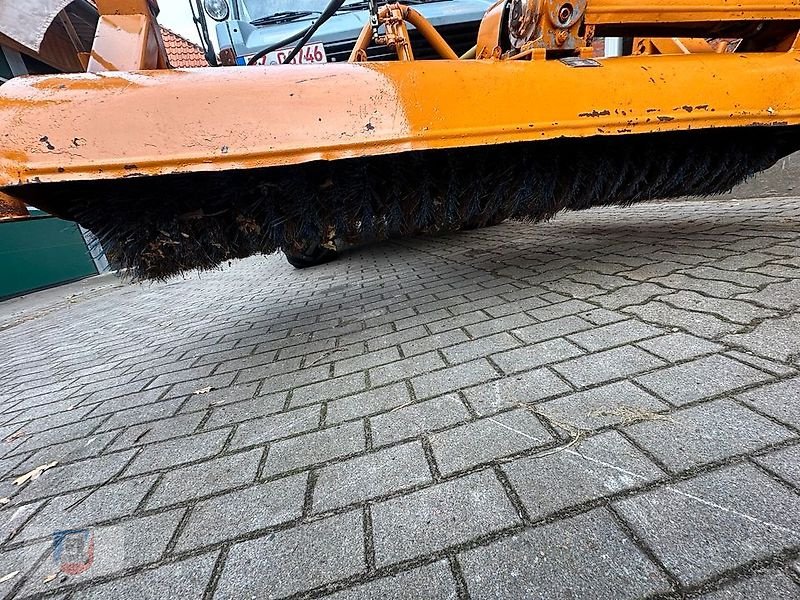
point(217, 9)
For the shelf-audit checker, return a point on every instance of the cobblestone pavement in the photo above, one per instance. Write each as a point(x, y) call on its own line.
point(605, 406)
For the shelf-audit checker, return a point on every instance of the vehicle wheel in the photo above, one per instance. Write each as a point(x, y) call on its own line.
point(311, 256)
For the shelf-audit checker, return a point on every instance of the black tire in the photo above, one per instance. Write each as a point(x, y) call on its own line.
point(310, 257)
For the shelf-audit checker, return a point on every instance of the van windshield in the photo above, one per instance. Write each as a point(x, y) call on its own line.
point(263, 9)
point(258, 9)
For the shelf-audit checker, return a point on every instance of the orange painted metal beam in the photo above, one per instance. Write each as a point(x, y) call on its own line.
point(67, 128)
point(606, 12)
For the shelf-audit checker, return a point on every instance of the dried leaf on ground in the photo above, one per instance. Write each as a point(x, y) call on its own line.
point(9, 576)
point(16, 436)
point(34, 474)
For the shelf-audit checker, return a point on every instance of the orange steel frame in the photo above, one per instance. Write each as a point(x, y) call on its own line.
point(128, 37)
point(141, 122)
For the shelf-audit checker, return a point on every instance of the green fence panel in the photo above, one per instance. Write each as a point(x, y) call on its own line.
point(40, 253)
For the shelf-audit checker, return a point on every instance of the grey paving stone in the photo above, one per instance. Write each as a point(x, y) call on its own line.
point(57, 435)
point(107, 390)
point(19, 561)
point(677, 347)
point(406, 368)
point(700, 379)
point(367, 403)
point(416, 419)
point(487, 439)
point(88, 447)
point(540, 332)
point(514, 390)
point(603, 316)
point(434, 342)
point(266, 371)
point(784, 463)
point(480, 348)
point(762, 586)
point(502, 309)
point(453, 379)
point(369, 476)
point(8, 465)
point(715, 522)
point(124, 402)
point(499, 325)
point(366, 361)
point(616, 334)
point(171, 453)
point(118, 547)
point(536, 355)
point(267, 429)
point(607, 365)
point(58, 419)
point(237, 412)
point(180, 375)
point(156, 431)
point(462, 320)
point(599, 466)
point(778, 339)
point(186, 388)
point(429, 582)
point(695, 323)
point(784, 295)
point(14, 517)
point(142, 414)
point(763, 364)
point(316, 447)
point(611, 404)
point(293, 379)
point(583, 557)
point(213, 476)
point(295, 560)
point(328, 390)
point(230, 515)
point(422, 319)
point(74, 476)
point(732, 310)
point(396, 338)
point(780, 400)
point(705, 433)
point(186, 579)
point(718, 288)
point(457, 511)
point(573, 289)
point(737, 276)
point(637, 294)
point(563, 309)
point(84, 509)
point(334, 354)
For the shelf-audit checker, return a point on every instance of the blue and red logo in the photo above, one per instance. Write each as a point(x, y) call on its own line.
point(73, 550)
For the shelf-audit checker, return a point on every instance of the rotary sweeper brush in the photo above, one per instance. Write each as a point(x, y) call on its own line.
point(182, 169)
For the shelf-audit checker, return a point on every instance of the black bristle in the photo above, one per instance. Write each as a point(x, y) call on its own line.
point(160, 226)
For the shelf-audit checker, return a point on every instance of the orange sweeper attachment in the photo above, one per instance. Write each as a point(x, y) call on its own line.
point(180, 169)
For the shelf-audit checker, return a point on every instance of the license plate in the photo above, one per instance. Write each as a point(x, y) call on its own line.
point(310, 54)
